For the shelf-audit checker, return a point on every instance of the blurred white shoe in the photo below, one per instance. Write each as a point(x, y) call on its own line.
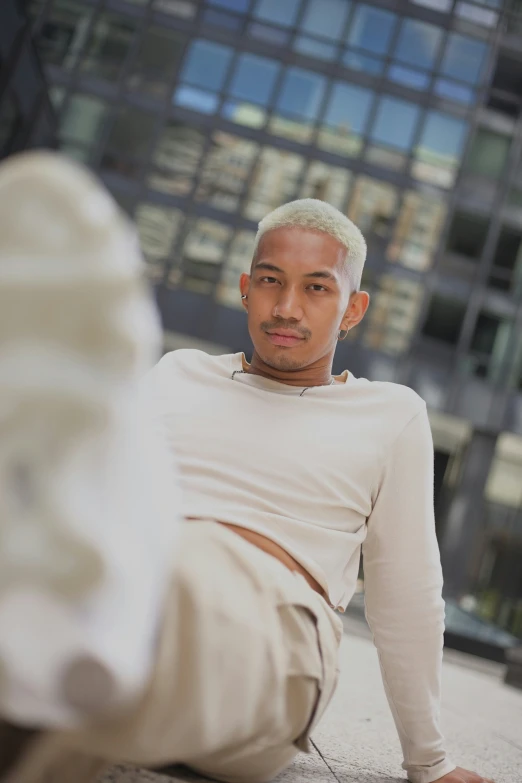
point(88, 493)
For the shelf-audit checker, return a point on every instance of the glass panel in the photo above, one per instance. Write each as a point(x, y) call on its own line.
point(488, 154)
point(82, 123)
point(467, 234)
point(199, 100)
point(476, 15)
point(327, 183)
point(373, 206)
point(453, 91)
point(128, 143)
point(226, 170)
point(275, 181)
point(393, 315)
point(220, 19)
point(301, 93)
point(437, 156)
point(206, 64)
point(464, 58)
point(345, 119)
point(277, 12)
point(417, 231)
point(300, 98)
point(326, 18)
point(444, 319)
point(176, 159)
point(417, 80)
point(157, 229)
point(185, 9)
point(271, 35)
point(109, 44)
point(157, 59)
point(418, 43)
point(238, 260)
point(203, 254)
point(395, 123)
point(254, 78)
point(240, 6)
point(314, 48)
point(63, 35)
point(360, 62)
point(371, 29)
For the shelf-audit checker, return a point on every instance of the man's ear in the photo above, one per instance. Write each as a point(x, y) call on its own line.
point(244, 286)
point(356, 310)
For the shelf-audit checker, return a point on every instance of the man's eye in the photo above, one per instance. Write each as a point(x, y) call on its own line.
point(318, 287)
point(268, 280)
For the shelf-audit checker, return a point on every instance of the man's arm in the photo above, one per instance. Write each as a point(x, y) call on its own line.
point(404, 606)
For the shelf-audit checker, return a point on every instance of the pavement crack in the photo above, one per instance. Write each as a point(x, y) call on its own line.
point(325, 761)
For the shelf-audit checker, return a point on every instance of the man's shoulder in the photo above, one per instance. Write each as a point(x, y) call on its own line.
point(395, 400)
point(187, 360)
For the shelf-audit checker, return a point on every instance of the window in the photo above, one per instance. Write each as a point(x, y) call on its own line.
point(437, 156)
point(254, 78)
point(298, 104)
point(202, 255)
point(251, 87)
point(325, 18)
point(62, 36)
point(176, 159)
point(275, 11)
point(81, 125)
point(345, 119)
point(371, 29)
point(156, 61)
point(206, 65)
point(393, 315)
point(237, 261)
point(418, 43)
point(507, 261)
point(240, 6)
point(275, 181)
point(488, 154)
point(184, 9)
point(225, 171)
point(327, 183)
point(204, 72)
point(109, 45)
point(157, 230)
point(444, 319)
point(467, 234)
point(463, 58)
point(129, 140)
point(417, 231)
point(373, 206)
point(394, 127)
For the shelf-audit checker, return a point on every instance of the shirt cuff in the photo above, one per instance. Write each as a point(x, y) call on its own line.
point(429, 774)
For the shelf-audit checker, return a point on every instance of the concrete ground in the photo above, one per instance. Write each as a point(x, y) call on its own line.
point(357, 743)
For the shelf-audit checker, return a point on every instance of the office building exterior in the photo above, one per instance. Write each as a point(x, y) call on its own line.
point(406, 115)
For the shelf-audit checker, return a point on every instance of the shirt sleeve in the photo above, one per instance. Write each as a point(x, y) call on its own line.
point(403, 596)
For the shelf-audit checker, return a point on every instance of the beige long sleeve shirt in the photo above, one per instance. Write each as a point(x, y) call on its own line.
point(325, 473)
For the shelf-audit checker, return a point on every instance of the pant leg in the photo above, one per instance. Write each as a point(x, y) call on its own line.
point(245, 665)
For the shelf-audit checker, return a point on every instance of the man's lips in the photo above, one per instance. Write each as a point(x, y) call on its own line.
point(284, 337)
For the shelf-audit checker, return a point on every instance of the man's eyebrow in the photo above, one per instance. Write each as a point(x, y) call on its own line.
point(322, 274)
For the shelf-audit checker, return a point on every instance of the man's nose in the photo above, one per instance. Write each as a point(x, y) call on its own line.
point(288, 305)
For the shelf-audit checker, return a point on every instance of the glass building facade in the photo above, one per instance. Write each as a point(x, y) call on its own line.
point(406, 115)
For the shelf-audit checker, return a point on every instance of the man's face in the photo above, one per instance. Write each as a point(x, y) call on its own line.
point(298, 295)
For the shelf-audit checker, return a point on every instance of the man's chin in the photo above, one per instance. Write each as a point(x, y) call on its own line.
point(283, 360)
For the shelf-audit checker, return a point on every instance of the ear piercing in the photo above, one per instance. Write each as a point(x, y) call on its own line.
point(244, 296)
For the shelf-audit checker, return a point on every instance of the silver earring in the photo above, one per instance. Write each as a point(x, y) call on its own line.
point(244, 296)
point(343, 334)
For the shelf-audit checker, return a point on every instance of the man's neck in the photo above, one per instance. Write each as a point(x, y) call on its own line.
point(319, 374)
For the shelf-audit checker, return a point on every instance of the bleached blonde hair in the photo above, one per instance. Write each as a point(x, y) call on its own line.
point(318, 215)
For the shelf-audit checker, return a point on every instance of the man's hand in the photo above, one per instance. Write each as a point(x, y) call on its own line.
point(460, 775)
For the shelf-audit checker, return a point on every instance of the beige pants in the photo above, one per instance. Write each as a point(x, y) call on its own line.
point(245, 667)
